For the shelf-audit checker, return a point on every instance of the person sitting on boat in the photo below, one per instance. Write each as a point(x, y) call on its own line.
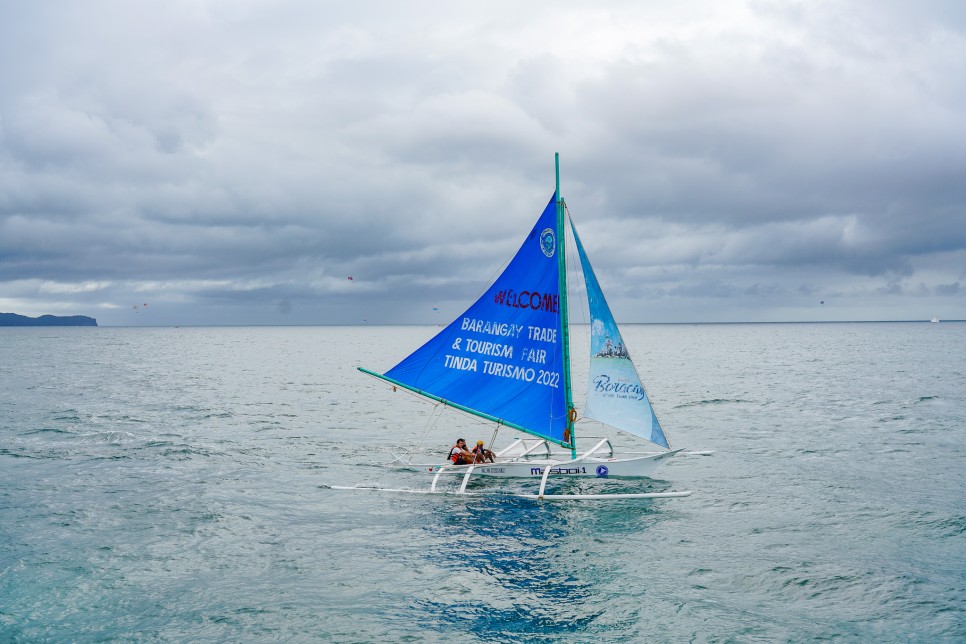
point(460, 455)
point(482, 454)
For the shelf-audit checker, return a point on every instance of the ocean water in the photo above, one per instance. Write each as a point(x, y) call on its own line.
point(172, 484)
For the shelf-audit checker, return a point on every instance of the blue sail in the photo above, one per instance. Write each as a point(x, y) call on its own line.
point(503, 358)
point(615, 395)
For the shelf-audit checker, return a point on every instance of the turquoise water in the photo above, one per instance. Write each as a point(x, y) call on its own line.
point(172, 485)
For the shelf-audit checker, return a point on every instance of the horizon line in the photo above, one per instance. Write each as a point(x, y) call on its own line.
point(390, 324)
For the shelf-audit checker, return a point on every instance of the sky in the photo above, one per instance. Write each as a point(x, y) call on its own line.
point(216, 162)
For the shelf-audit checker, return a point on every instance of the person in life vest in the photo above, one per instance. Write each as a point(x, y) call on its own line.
point(460, 455)
point(482, 454)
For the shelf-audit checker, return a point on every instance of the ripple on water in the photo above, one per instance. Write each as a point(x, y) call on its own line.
point(832, 508)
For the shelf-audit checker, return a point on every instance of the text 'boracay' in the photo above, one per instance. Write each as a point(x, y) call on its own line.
point(604, 385)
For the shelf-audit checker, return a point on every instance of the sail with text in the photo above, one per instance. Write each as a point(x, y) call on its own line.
point(615, 395)
point(503, 358)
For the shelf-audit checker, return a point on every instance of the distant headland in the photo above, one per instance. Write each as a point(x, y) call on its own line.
point(12, 319)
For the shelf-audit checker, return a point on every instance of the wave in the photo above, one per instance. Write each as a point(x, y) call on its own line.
point(716, 401)
point(46, 430)
point(112, 437)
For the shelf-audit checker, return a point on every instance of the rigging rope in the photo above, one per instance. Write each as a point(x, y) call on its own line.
point(430, 425)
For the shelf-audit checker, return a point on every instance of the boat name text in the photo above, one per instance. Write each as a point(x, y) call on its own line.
point(538, 471)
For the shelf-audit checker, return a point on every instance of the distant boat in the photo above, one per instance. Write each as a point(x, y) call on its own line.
point(935, 319)
point(507, 360)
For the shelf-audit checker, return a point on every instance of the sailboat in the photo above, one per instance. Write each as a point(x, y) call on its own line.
point(507, 360)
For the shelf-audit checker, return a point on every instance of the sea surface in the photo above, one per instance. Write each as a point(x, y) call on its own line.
point(173, 485)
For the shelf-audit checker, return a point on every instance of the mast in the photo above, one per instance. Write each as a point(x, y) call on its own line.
point(564, 311)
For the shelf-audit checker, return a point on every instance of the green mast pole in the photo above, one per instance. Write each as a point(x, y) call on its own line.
point(564, 312)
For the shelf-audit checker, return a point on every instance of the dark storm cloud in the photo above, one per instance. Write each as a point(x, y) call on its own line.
point(236, 162)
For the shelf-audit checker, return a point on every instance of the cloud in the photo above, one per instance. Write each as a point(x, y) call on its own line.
point(948, 289)
point(234, 162)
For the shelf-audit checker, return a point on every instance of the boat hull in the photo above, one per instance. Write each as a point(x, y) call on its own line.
point(593, 467)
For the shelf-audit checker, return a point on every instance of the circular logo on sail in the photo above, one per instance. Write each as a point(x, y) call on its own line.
point(548, 242)
point(602, 471)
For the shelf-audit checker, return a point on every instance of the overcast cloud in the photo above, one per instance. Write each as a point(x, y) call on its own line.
point(236, 162)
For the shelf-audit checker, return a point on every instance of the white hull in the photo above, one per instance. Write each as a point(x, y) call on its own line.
point(594, 467)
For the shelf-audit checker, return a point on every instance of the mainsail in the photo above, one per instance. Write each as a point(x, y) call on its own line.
point(615, 395)
point(503, 359)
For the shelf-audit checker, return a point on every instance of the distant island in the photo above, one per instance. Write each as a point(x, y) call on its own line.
point(12, 319)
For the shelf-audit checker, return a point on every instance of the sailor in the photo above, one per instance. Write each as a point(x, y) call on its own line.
point(482, 454)
point(460, 455)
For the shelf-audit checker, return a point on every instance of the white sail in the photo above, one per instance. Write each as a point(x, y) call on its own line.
point(615, 395)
